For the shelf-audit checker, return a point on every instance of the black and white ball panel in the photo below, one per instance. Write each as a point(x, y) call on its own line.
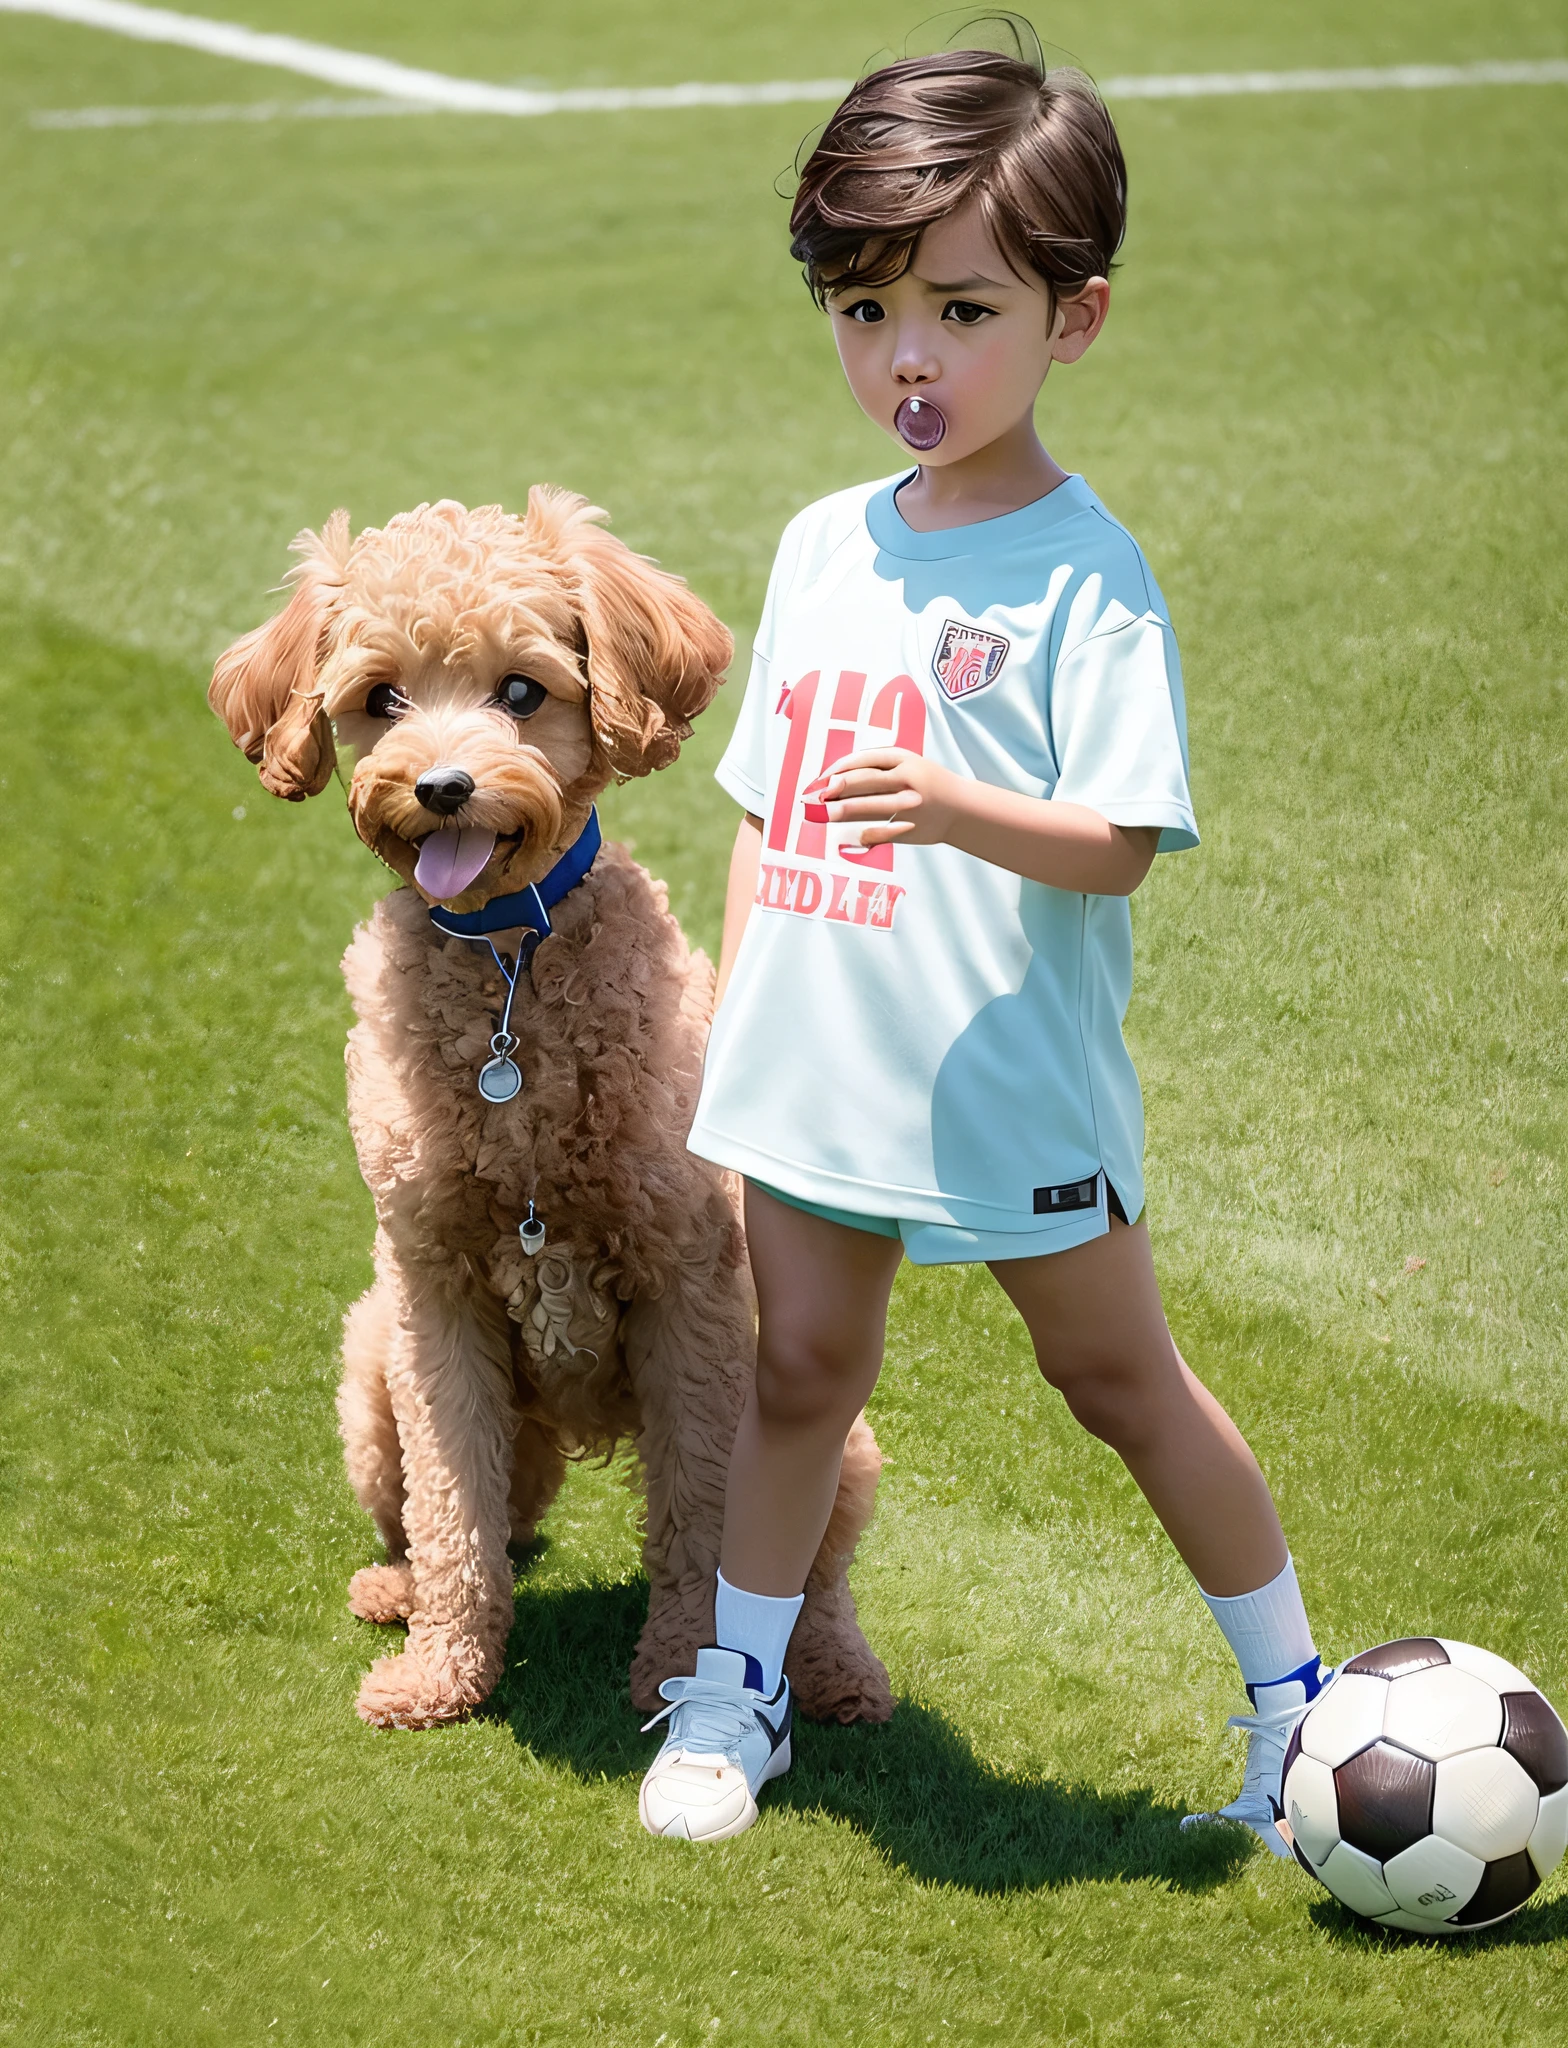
point(1439, 1713)
point(1312, 1807)
point(1384, 1797)
point(1484, 1802)
point(1533, 1734)
point(1507, 1882)
point(1393, 1660)
point(1433, 1878)
point(1356, 1880)
point(1427, 1786)
point(1348, 1716)
point(1497, 1671)
point(1549, 1839)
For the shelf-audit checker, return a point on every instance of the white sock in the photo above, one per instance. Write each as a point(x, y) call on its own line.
point(758, 1625)
point(1269, 1633)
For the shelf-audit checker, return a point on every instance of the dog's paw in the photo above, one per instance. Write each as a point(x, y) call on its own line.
point(677, 1627)
point(870, 1700)
point(653, 1664)
point(841, 1681)
point(421, 1690)
point(382, 1592)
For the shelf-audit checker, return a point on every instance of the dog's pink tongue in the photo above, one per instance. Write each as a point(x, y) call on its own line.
point(449, 861)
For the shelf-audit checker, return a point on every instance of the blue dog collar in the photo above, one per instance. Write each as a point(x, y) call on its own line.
point(528, 907)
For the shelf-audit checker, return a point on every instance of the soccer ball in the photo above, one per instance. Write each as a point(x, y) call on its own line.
point(1427, 1787)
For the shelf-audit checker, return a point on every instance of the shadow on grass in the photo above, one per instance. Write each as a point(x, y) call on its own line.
point(914, 1787)
point(1531, 1927)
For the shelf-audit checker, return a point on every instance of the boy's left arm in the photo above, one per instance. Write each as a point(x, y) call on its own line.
point(903, 797)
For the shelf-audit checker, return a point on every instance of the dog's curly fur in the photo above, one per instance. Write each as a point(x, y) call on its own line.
point(471, 1373)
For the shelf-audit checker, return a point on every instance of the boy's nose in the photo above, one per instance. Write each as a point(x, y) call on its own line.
point(913, 364)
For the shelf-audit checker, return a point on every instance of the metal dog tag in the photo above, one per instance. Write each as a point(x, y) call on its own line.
point(531, 1231)
point(500, 1078)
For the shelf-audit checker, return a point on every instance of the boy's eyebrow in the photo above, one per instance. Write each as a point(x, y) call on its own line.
point(964, 284)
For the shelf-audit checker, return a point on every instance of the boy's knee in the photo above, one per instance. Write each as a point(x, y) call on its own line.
point(1104, 1394)
point(802, 1380)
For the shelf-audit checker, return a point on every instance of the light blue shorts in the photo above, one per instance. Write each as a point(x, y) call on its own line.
point(949, 1244)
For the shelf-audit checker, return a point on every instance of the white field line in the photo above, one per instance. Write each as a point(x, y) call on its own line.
point(607, 99)
point(428, 90)
point(349, 68)
point(400, 88)
point(1209, 85)
point(238, 110)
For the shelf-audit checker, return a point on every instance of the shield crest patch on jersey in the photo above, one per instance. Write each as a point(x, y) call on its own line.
point(967, 658)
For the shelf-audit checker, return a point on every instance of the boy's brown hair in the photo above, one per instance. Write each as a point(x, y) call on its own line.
point(917, 140)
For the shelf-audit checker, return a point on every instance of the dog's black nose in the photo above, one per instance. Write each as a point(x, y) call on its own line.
point(444, 789)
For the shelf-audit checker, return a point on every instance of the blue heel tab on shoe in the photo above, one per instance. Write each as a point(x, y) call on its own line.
point(751, 1669)
point(1308, 1676)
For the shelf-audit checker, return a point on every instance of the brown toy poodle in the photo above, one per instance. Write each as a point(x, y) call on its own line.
point(555, 1272)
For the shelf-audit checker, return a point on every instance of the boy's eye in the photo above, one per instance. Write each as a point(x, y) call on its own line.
point(520, 695)
point(965, 313)
point(866, 311)
point(385, 700)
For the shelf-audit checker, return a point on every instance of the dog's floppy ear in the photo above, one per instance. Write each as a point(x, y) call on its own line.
point(264, 687)
point(655, 653)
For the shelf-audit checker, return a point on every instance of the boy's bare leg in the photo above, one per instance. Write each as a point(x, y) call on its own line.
point(822, 1295)
point(1100, 1336)
point(822, 1290)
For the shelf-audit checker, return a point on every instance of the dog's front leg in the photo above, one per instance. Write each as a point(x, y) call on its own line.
point(449, 1377)
point(689, 1351)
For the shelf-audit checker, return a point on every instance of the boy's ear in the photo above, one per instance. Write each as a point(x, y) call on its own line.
point(656, 655)
point(1078, 319)
point(264, 687)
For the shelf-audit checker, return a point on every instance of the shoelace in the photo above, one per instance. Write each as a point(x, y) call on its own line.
point(710, 1718)
point(1267, 1737)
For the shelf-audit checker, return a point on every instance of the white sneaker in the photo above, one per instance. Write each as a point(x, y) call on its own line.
point(1257, 1805)
point(725, 1742)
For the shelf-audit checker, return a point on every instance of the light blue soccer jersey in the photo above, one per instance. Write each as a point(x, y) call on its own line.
point(910, 1031)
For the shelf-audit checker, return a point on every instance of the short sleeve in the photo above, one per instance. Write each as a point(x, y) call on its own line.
point(1119, 729)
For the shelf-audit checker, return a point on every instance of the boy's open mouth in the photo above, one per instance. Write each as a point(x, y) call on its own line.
point(920, 423)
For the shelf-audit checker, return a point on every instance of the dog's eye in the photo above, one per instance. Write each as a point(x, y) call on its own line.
point(521, 695)
point(384, 701)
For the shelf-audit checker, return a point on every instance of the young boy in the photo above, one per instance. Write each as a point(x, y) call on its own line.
point(962, 744)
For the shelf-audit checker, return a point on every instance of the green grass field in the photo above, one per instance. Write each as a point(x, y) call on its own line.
point(1331, 402)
